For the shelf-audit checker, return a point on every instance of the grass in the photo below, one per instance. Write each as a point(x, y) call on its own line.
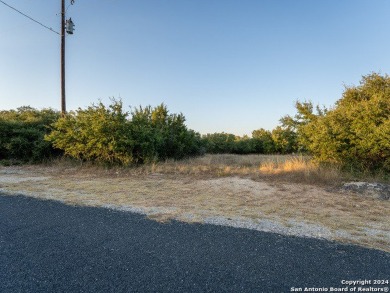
point(281, 168)
point(287, 190)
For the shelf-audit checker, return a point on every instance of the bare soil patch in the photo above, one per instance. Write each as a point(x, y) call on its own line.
point(227, 199)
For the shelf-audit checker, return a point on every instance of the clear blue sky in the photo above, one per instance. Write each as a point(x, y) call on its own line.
point(227, 65)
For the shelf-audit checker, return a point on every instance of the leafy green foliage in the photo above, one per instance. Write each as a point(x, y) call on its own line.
point(297, 125)
point(96, 133)
point(285, 140)
point(22, 132)
point(174, 139)
point(109, 135)
point(219, 143)
point(264, 142)
point(280, 140)
point(356, 132)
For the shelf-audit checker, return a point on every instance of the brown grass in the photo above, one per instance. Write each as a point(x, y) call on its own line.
point(282, 168)
point(285, 189)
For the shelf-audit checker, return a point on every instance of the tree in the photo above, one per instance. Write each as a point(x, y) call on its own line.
point(219, 143)
point(109, 135)
point(98, 133)
point(284, 139)
point(22, 134)
point(356, 132)
point(296, 126)
point(263, 141)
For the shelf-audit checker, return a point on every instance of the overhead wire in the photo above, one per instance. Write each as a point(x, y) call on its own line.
point(45, 26)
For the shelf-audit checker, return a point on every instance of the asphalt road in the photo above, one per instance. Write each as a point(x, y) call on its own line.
point(46, 246)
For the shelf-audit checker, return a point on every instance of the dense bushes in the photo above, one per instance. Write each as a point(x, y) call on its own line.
point(22, 132)
point(280, 140)
point(107, 134)
point(219, 143)
point(356, 132)
point(225, 143)
point(98, 133)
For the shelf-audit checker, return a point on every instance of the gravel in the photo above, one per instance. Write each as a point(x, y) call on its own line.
point(292, 227)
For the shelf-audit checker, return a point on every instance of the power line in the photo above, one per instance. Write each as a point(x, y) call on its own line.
point(49, 28)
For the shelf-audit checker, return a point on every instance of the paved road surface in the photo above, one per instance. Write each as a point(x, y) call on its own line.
point(46, 246)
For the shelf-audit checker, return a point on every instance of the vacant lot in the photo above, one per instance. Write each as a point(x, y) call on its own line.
point(284, 194)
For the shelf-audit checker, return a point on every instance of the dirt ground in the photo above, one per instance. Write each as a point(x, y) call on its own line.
point(286, 208)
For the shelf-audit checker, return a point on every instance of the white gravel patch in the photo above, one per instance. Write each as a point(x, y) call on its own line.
point(13, 179)
point(136, 210)
point(293, 227)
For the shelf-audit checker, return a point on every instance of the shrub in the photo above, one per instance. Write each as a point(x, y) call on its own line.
point(22, 134)
point(109, 135)
point(219, 143)
point(264, 142)
point(284, 140)
point(95, 134)
point(356, 132)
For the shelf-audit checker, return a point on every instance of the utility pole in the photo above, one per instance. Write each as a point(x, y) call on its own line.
point(63, 101)
point(68, 26)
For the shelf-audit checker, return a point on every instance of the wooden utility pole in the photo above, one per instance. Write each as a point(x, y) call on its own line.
point(63, 101)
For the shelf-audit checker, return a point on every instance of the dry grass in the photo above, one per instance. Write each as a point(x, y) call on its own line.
point(287, 190)
point(282, 168)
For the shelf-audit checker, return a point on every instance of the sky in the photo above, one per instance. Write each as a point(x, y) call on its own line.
point(228, 65)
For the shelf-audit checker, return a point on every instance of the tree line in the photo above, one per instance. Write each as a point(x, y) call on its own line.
point(355, 132)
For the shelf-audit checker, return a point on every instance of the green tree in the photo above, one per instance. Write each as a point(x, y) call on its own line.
point(356, 132)
point(219, 143)
point(176, 139)
point(285, 140)
point(263, 141)
point(305, 115)
point(109, 135)
point(144, 136)
point(22, 134)
point(243, 145)
point(98, 133)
